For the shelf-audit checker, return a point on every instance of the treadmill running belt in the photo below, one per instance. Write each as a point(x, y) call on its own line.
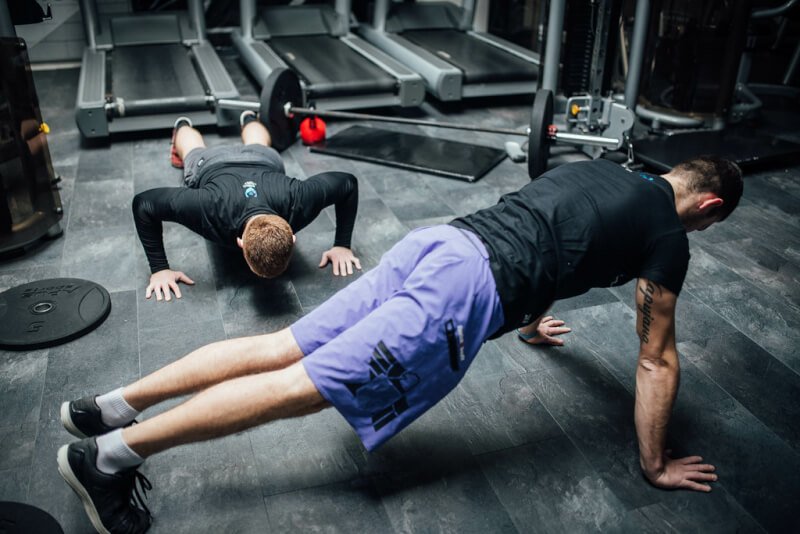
point(330, 67)
point(153, 71)
point(479, 61)
point(422, 153)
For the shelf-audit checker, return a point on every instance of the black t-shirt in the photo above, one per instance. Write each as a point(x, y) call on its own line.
point(579, 226)
point(225, 199)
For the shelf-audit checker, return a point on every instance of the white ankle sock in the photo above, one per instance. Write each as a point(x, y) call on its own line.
point(114, 455)
point(114, 410)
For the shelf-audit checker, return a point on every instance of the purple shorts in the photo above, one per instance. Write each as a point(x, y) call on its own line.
point(392, 344)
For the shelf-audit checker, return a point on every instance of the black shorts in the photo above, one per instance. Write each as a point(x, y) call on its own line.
point(200, 159)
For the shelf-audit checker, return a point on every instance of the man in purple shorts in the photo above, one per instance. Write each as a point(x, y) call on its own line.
point(240, 196)
point(394, 342)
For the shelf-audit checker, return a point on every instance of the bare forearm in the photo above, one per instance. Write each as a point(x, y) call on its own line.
point(657, 380)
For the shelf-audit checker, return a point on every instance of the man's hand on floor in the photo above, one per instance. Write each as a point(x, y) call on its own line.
point(545, 332)
point(683, 473)
point(342, 259)
point(164, 283)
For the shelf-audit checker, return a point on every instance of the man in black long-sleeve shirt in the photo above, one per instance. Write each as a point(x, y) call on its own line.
point(241, 196)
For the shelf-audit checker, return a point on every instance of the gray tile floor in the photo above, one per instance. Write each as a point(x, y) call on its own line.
point(534, 440)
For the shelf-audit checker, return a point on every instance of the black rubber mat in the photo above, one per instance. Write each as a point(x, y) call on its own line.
point(20, 518)
point(50, 312)
point(748, 149)
point(461, 161)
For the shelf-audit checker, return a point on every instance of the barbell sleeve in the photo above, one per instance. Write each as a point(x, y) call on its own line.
point(583, 139)
point(226, 103)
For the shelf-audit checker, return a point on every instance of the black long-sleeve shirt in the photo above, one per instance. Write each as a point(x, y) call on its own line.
point(219, 208)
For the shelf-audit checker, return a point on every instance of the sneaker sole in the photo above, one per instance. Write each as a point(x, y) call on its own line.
point(66, 420)
point(65, 470)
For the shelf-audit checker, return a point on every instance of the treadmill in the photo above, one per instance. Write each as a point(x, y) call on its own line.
point(140, 71)
point(337, 69)
point(438, 40)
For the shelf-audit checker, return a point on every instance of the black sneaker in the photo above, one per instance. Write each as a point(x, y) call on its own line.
point(174, 158)
point(246, 117)
point(82, 418)
point(112, 502)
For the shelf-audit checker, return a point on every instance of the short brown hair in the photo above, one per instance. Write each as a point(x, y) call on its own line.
point(267, 245)
point(715, 175)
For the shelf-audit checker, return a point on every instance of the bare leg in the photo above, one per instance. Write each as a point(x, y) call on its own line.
point(226, 408)
point(187, 139)
point(212, 364)
point(255, 133)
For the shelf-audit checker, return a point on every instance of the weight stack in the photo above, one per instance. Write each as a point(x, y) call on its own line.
point(577, 55)
point(582, 21)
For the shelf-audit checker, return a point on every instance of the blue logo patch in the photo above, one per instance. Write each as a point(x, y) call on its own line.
point(250, 190)
point(646, 176)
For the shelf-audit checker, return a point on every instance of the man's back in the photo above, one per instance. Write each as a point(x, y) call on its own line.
point(582, 225)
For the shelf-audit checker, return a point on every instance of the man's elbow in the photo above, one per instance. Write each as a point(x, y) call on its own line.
point(659, 363)
point(143, 208)
point(143, 200)
point(352, 182)
point(138, 204)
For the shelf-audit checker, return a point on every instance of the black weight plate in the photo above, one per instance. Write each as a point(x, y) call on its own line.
point(49, 312)
point(20, 518)
point(538, 140)
point(281, 86)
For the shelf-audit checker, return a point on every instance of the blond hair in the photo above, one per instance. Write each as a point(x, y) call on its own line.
point(267, 245)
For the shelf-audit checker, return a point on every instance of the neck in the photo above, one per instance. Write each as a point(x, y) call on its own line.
point(682, 197)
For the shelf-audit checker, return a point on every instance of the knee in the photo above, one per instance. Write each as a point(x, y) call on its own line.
point(255, 133)
point(281, 345)
point(300, 390)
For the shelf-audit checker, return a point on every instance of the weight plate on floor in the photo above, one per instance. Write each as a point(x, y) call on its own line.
point(49, 312)
point(281, 86)
point(538, 139)
point(20, 518)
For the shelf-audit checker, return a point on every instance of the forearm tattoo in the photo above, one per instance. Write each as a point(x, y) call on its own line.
point(648, 291)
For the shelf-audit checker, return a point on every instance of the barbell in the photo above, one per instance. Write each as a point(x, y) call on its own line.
point(282, 89)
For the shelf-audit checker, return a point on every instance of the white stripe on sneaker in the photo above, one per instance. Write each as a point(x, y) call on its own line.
point(69, 425)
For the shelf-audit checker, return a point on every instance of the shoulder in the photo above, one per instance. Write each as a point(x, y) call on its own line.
point(674, 239)
point(156, 195)
point(666, 259)
point(336, 176)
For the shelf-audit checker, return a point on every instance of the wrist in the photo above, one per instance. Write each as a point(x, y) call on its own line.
point(652, 468)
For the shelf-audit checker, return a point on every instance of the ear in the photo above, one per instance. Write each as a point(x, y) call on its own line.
point(239, 242)
point(709, 203)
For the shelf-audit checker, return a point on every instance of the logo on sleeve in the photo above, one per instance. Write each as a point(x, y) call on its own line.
point(645, 176)
point(249, 190)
